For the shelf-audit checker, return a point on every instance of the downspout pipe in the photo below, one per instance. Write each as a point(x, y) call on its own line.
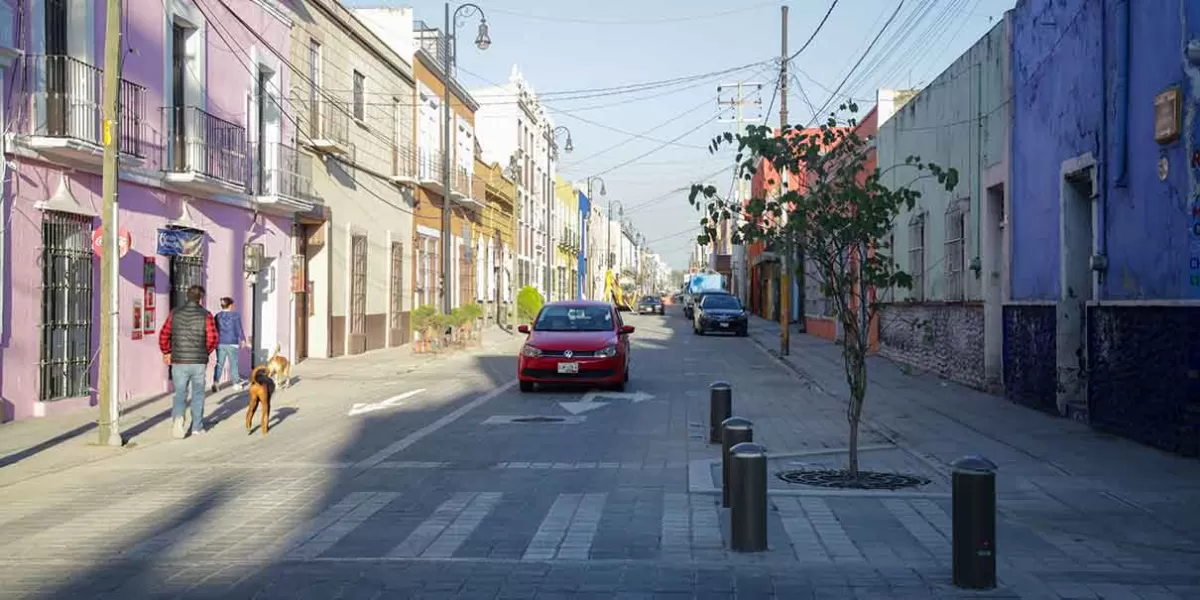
point(1121, 133)
point(1106, 152)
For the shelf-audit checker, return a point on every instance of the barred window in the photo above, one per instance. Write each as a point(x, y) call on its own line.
point(397, 285)
point(184, 272)
point(916, 255)
point(358, 285)
point(956, 250)
point(67, 297)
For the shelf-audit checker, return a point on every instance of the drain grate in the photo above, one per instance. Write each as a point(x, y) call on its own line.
point(538, 420)
point(840, 478)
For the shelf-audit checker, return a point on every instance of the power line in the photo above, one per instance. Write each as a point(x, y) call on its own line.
point(623, 22)
point(660, 146)
point(860, 60)
point(813, 36)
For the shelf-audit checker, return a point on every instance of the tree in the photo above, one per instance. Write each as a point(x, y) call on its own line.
point(838, 212)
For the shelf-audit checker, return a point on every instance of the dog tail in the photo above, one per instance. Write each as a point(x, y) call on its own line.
point(275, 352)
point(260, 376)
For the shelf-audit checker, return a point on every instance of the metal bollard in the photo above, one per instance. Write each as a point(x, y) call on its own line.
point(974, 523)
point(720, 407)
point(748, 476)
point(734, 431)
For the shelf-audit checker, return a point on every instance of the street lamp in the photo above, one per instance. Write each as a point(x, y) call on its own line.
point(552, 148)
point(482, 41)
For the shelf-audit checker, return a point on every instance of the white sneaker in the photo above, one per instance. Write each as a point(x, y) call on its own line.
point(177, 429)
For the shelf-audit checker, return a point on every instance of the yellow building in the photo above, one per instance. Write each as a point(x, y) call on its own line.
point(498, 227)
point(568, 241)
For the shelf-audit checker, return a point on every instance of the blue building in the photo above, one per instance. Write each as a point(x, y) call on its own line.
point(585, 209)
point(1102, 322)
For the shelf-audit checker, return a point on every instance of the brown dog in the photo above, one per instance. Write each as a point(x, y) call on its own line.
point(262, 387)
point(279, 369)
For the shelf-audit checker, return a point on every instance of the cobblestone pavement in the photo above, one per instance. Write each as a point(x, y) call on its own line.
point(433, 489)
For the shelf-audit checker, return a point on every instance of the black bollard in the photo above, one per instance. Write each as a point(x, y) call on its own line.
point(974, 523)
point(734, 431)
point(720, 407)
point(748, 479)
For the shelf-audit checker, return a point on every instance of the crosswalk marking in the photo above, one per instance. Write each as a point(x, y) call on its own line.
point(830, 530)
point(918, 526)
point(426, 533)
point(578, 543)
point(464, 523)
point(805, 543)
point(310, 528)
point(553, 528)
point(343, 526)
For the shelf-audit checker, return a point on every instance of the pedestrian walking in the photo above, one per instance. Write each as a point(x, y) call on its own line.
point(230, 340)
point(186, 340)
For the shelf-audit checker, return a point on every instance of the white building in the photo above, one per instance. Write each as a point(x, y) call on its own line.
point(509, 122)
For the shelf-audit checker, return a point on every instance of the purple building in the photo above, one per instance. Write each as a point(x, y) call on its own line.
point(1103, 322)
point(207, 168)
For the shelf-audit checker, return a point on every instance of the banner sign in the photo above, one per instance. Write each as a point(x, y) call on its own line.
point(180, 242)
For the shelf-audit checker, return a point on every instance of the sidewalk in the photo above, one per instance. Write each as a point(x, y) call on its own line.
point(52, 444)
point(1052, 471)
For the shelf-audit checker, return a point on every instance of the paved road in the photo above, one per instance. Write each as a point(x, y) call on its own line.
point(431, 490)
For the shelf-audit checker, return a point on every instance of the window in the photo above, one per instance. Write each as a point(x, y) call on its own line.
point(956, 250)
point(426, 287)
point(314, 96)
point(66, 306)
point(360, 96)
point(575, 318)
point(358, 285)
point(184, 272)
point(916, 255)
point(397, 285)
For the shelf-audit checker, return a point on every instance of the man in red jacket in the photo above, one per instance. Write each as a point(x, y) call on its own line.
point(187, 339)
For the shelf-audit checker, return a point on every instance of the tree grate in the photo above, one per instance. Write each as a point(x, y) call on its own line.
point(840, 478)
point(538, 420)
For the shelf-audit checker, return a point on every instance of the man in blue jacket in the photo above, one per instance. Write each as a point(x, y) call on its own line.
point(230, 339)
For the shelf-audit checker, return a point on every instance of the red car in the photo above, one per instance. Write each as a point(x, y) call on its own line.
point(573, 342)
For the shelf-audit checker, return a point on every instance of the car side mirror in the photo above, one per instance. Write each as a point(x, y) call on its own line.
point(626, 329)
point(523, 328)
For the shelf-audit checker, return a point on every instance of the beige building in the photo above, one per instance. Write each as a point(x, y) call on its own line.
point(354, 105)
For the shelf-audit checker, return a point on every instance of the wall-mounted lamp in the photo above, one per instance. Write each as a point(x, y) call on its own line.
point(252, 258)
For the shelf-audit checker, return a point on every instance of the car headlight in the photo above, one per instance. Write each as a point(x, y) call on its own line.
point(531, 351)
point(608, 352)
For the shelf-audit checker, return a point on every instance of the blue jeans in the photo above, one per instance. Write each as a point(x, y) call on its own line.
point(228, 352)
point(181, 377)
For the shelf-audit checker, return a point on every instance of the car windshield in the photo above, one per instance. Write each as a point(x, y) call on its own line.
point(574, 318)
point(720, 302)
point(649, 299)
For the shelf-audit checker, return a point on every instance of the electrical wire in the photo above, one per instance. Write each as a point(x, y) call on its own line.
point(660, 146)
point(625, 22)
point(833, 96)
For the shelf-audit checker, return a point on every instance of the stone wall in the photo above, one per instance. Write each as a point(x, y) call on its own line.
point(946, 339)
point(1030, 356)
point(1144, 374)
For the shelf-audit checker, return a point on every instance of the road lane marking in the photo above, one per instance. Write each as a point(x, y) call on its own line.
point(360, 408)
point(577, 545)
point(310, 528)
point(553, 528)
point(432, 428)
point(448, 542)
point(428, 532)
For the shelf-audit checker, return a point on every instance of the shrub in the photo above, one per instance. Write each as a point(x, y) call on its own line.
point(529, 302)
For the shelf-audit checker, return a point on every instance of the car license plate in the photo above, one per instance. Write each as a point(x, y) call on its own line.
point(724, 324)
point(568, 368)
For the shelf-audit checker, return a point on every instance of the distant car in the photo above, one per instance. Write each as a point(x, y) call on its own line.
point(652, 305)
point(689, 309)
point(721, 313)
point(575, 342)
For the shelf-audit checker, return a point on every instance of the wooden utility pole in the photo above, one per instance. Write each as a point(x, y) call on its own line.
point(108, 426)
point(785, 279)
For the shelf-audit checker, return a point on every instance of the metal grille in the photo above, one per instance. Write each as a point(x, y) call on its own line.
point(358, 285)
point(66, 306)
point(916, 255)
point(955, 247)
point(397, 284)
point(185, 271)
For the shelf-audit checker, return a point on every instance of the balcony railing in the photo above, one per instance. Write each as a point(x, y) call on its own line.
point(330, 126)
point(66, 94)
point(429, 167)
point(200, 143)
point(404, 164)
point(460, 180)
point(281, 170)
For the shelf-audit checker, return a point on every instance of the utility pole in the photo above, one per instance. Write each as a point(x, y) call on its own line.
point(748, 94)
point(109, 425)
point(785, 276)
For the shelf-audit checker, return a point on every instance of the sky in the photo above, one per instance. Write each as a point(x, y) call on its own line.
point(648, 143)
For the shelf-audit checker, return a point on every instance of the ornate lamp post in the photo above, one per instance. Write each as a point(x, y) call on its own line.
point(482, 41)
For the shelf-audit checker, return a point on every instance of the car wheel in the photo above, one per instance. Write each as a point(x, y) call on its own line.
point(526, 387)
point(619, 387)
point(743, 333)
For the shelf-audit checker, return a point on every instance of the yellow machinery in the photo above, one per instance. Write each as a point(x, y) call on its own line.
point(612, 291)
